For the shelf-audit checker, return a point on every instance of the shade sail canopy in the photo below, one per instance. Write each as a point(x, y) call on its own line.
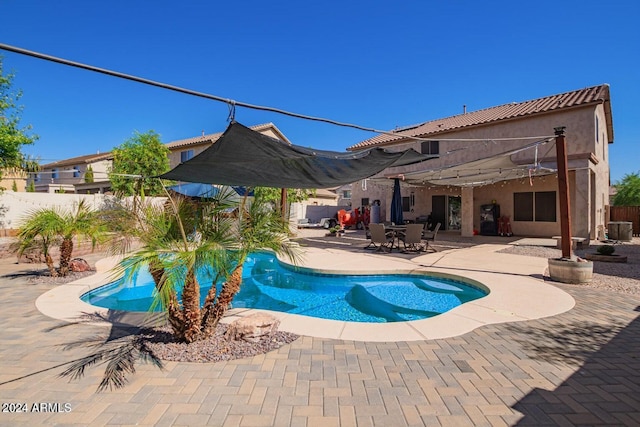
point(242, 156)
point(499, 167)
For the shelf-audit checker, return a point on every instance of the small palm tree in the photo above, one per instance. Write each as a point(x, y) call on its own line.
point(37, 233)
point(184, 237)
point(44, 228)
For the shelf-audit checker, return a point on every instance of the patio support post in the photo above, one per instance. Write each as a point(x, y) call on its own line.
point(563, 192)
point(283, 204)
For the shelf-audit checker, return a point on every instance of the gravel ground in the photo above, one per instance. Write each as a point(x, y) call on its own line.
point(616, 277)
point(216, 348)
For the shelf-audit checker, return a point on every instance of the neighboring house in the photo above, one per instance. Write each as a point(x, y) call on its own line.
point(322, 197)
point(530, 201)
point(344, 195)
point(68, 176)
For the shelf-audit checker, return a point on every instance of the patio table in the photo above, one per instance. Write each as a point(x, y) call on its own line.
point(397, 231)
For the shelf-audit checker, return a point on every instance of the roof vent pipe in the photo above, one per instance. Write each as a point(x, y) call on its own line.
point(464, 109)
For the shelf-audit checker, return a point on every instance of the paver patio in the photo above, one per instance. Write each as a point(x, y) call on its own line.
point(579, 367)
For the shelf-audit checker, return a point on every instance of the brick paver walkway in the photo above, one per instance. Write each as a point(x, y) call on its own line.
point(578, 368)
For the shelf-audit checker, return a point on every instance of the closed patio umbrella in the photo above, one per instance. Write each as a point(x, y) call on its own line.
point(396, 203)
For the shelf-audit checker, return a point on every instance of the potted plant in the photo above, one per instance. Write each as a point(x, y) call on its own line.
point(570, 270)
point(335, 231)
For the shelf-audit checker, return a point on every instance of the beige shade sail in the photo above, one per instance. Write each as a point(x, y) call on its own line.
point(496, 168)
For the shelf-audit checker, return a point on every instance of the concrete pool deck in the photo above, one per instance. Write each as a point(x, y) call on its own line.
point(514, 282)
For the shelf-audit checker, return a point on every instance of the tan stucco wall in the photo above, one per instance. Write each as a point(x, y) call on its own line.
point(10, 176)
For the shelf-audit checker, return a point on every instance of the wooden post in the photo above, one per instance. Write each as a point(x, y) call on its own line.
point(283, 204)
point(563, 192)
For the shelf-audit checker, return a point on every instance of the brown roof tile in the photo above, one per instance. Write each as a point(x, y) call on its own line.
point(86, 159)
point(591, 95)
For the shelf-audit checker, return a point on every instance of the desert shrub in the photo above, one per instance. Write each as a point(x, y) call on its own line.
point(606, 250)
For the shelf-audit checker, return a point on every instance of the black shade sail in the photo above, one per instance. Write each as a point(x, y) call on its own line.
point(245, 157)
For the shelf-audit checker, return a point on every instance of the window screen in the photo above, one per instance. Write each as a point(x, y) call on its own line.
point(545, 206)
point(186, 155)
point(523, 206)
point(406, 204)
point(430, 147)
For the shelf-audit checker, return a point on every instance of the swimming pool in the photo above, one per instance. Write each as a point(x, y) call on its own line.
point(271, 285)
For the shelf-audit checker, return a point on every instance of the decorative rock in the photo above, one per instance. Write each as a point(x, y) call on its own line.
point(251, 328)
point(79, 265)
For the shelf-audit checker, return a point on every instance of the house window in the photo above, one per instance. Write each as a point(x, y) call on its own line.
point(523, 206)
point(406, 204)
point(597, 131)
point(539, 206)
point(54, 174)
point(346, 194)
point(430, 147)
point(186, 155)
point(545, 203)
point(76, 172)
point(364, 201)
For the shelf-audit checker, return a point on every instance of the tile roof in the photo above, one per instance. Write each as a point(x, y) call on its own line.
point(577, 98)
point(213, 137)
point(86, 159)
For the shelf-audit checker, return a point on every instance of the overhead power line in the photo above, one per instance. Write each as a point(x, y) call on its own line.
point(230, 102)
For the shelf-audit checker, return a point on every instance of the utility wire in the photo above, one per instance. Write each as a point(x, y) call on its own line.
point(230, 102)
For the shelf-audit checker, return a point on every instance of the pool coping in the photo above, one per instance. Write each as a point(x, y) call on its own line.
point(517, 293)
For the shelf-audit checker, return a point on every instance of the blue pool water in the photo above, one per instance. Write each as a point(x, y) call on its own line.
point(268, 284)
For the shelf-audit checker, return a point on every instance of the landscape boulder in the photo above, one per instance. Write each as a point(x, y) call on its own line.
point(253, 327)
point(79, 265)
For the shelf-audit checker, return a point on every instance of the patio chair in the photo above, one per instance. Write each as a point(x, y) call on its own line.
point(430, 236)
point(380, 239)
point(412, 238)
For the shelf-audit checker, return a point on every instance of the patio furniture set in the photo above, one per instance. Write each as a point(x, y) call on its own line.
point(414, 237)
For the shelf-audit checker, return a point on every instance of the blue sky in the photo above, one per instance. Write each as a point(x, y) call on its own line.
point(378, 64)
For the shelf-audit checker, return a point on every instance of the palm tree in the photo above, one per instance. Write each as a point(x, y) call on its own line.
point(37, 233)
point(51, 226)
point(183, 237)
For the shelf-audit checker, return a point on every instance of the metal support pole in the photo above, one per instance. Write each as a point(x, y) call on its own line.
point(563, 192)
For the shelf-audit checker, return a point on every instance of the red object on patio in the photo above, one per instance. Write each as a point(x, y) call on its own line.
point(504, 226)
